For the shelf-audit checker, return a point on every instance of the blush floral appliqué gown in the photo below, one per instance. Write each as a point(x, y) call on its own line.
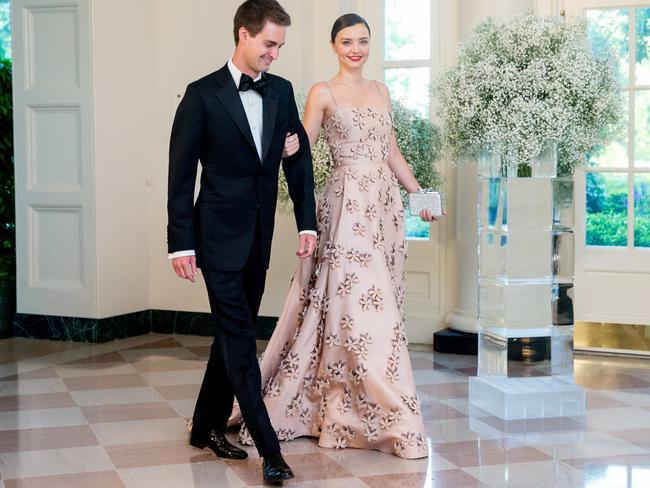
point(337, 366)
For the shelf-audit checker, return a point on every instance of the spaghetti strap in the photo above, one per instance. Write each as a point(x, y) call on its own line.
point(381, 94)
point(327, 83)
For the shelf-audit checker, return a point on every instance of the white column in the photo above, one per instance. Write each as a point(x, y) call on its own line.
point(465, 316)
point(82, 77)
point(122, 100)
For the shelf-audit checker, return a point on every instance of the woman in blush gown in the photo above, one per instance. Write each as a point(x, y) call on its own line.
point(337, 366)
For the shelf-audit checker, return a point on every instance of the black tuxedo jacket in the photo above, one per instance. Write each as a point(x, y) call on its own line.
point(236, 187)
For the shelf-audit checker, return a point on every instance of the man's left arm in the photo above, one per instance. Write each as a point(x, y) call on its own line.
point(299, 172)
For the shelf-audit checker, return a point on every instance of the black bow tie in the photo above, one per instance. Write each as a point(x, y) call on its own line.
point(246, 83)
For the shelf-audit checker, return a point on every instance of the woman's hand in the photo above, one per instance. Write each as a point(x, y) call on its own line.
point(291, 145)
point(427, 217)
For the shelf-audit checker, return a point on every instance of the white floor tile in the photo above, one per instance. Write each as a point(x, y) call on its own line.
point(34, 419)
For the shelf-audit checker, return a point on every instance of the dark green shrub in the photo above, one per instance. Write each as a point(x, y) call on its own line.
point(7, 205)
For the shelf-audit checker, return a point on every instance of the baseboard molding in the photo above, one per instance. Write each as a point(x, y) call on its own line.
point(77, 329)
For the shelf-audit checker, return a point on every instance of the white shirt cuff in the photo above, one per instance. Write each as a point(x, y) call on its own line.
point(180, 254)
point(309, 232)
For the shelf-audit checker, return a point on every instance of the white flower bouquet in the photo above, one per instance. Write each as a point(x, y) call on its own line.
point(522, 83)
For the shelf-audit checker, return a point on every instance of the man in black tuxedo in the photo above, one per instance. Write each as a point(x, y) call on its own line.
point(235, 121)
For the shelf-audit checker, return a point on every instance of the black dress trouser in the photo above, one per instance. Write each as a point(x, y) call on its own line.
point(233, 370)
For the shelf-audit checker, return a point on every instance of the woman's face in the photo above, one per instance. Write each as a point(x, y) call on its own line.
point(352, 46)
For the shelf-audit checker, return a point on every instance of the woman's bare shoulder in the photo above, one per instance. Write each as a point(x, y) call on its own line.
point(319, 89)
point(382, 86)
point(320, 94)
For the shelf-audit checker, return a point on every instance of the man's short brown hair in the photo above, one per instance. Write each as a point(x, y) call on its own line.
point(253, 14)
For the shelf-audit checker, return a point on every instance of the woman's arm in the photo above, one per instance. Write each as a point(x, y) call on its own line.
point(401, 169)
point(396, 161)
point(316, 106)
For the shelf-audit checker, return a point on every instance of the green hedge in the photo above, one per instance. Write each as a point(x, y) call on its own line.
point(610, 229)
point(642, 232)
point(7, 214)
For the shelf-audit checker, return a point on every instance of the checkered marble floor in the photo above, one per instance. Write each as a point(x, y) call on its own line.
point(114, 415)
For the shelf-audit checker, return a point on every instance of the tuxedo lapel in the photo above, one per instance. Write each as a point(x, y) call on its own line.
point(229, 96)
point(270, 110)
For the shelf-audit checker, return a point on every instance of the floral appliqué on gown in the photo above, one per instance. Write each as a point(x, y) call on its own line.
point(337, 366)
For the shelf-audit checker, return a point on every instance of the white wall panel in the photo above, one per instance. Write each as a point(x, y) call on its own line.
point(616, 297)
point(54, 148)
point(418, 285)
point(57, 236)
point(52, 45)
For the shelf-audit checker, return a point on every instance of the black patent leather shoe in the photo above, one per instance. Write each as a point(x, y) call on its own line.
point(275, 469)
point(217, 442)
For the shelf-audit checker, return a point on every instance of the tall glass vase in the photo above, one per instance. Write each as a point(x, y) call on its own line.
point(526, 266)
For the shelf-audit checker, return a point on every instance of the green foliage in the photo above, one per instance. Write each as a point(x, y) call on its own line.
point(7, 215)
point(606, 205)
point(595, 193)
point(607, 229)
point(642, 232)
point(642, 211)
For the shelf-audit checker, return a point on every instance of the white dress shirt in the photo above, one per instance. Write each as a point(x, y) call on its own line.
point(253, 107)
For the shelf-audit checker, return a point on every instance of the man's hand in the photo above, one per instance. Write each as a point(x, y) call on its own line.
point(291, 145)
point(306, 245)
point(185, 267)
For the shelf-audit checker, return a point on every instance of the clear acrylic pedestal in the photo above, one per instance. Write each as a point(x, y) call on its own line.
point(526, 266)
point(527, 398)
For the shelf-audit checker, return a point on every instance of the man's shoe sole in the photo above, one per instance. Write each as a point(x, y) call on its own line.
point(280, 479)
point(199, 445)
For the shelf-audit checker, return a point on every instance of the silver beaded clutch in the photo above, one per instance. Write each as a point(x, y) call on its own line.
point(425, 199)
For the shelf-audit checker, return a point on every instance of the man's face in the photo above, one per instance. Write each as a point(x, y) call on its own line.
point(260, 51)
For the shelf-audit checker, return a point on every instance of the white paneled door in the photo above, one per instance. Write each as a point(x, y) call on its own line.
point(55, 212)
point(613, 192)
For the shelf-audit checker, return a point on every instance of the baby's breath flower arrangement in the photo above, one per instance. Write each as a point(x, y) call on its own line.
point(521, 83)
point(417, 138)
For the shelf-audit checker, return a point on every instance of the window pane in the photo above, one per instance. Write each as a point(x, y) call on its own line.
point(5, 29)
point(642, 24)
point(416, 228)
point(411, 87)
point(640, 476)
point(407, 29)
point(642, 210)
point(614, 155)
point(642, 129)
point(606, 209)
point(609, 29)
